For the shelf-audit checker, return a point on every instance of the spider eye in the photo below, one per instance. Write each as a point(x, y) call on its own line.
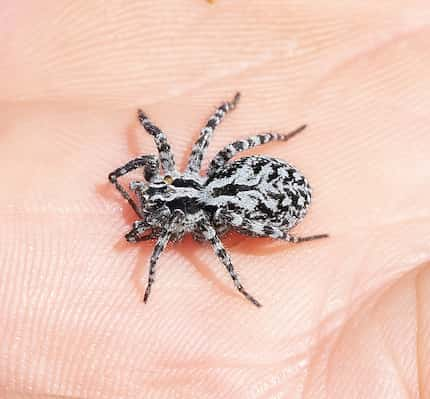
point(168, 179)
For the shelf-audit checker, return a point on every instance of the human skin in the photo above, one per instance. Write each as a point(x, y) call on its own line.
point(344, 317)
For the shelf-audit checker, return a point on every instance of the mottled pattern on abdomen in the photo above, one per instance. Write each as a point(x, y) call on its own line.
point(261, 189)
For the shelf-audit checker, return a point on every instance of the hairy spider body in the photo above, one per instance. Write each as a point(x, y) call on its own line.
point(258, 189)
point(255, 195)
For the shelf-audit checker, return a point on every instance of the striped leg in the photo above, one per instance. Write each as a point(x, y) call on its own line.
point(210, 235)
point(136, 234)
point(266, 230)
point(200, 146)
point(160, 245)
point(166, 156)
point(232, 149)
point(158, 249)
point(150, 165)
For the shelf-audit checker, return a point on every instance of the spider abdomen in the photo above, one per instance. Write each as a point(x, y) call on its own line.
point(259, 189)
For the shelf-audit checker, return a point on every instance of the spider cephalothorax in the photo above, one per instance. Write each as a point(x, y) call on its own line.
point(255, 195)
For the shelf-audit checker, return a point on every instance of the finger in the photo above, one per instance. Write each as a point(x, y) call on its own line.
point(381, 350)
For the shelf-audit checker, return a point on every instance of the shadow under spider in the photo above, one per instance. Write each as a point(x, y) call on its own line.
point(187, 248)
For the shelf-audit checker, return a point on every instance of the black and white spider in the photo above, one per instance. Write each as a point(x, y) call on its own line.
point(255, 195)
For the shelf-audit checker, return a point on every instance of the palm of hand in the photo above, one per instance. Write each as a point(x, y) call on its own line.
point(347, 318)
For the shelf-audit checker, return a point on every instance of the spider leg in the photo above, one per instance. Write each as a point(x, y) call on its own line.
point(166, 156)
point(158, 249)
point(160, 245)
point(150, 165)
point(200, 146)
point(297, 240)
point(130, 237)
point(136, 233)
point(210, 234)
point(266, 230)
point(232, 149)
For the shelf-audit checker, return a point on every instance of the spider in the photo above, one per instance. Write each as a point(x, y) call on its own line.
point(255, 195)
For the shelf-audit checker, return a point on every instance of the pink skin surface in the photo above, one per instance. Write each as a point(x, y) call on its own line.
point(346, 317)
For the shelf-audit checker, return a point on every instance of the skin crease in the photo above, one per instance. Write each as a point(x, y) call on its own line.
point(344, 317)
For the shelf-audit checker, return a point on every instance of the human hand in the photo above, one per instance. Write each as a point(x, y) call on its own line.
point(342, 317)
